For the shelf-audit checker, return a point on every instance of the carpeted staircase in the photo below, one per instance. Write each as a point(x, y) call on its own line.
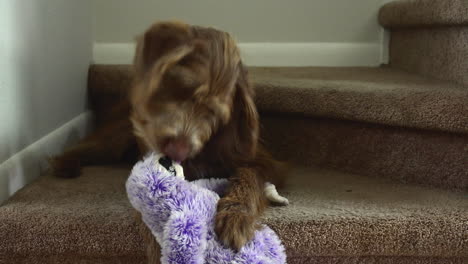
point(381, 159)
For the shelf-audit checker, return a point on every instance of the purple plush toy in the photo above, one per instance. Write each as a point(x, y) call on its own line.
point(181, 216)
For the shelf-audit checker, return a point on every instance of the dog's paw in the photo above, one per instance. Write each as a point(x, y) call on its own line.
point(233, 224)
point(273, 196)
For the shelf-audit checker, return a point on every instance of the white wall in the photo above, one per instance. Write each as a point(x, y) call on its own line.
point(248, 20)
point(45, 51)
point(271, 32)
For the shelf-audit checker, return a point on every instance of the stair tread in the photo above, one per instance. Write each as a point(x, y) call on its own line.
point(423, 13)
point(331, 214)
point(377, 95)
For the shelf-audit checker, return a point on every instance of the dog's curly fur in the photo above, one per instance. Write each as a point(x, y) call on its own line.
point(190, 84)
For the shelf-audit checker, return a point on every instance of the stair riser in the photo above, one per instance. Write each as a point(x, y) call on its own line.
point(407, 155)
point(375, 259)
point(361, 236)
point(74, 259)
point(439, 52)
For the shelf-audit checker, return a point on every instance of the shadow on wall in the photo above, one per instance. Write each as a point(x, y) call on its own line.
point(18, 65)
point(17, 79)
point(45, 52)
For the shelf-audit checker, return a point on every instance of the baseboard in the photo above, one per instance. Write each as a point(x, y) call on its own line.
point(270, 54)
point(30, 162)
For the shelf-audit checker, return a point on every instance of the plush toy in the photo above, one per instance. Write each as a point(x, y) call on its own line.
point(181, 216)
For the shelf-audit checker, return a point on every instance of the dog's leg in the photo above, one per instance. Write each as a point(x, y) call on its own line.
point(108, 144)
point(240, 209)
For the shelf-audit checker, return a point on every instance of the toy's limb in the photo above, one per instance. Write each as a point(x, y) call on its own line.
point(153, 191)
point(184, 238)
point(239, 209)
point(273, 196)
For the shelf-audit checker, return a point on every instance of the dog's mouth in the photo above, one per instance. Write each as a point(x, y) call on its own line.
point(177, 149)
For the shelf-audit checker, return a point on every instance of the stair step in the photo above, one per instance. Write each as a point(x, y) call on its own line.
point(376, 95)
point(428, 37)
point(423, 13)
point(332, 215)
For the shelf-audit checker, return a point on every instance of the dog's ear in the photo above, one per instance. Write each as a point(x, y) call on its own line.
point(246, 113)
point(231, 83)
point(159, 39)
point(161, 46)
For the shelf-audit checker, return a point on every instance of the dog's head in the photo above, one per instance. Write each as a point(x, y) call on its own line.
point(190, 84)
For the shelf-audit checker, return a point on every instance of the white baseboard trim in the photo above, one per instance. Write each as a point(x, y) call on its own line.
point(270, 54)
point(29, 163)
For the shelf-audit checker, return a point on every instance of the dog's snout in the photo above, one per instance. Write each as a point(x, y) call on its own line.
point(177, 149)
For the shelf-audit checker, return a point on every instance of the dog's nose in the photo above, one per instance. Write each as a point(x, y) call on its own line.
point(177, 149)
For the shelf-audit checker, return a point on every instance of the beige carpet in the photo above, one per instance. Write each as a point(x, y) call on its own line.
point(332, 216)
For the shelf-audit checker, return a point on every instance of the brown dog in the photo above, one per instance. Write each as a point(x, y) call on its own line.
point(192, 100)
